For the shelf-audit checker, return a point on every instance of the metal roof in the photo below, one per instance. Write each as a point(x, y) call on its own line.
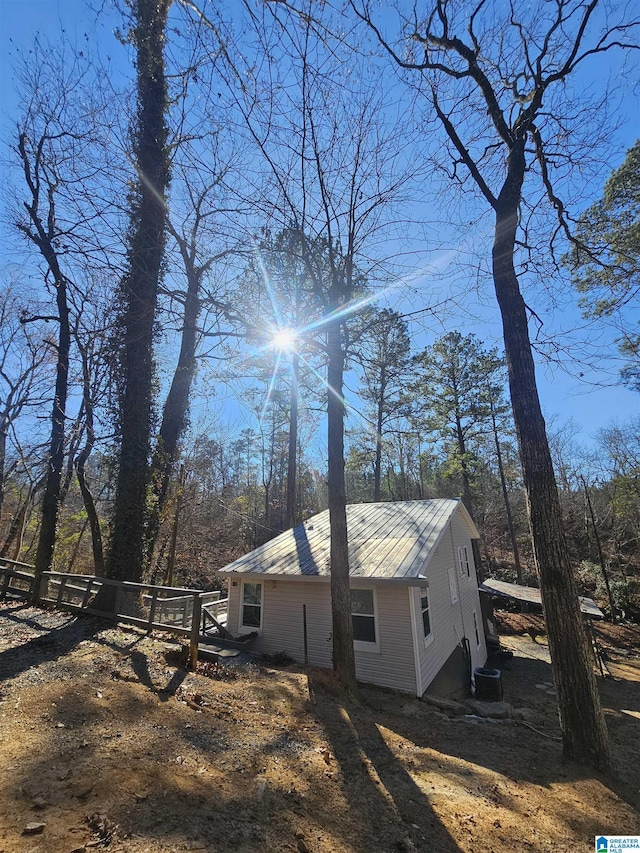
point(532, 595)
point(386, 541)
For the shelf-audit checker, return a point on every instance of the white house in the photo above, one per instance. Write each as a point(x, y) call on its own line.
point(414, 595)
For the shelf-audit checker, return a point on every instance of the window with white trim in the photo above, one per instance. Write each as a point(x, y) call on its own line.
point(425, 613)
point(363, 618)
point(453, 586)
point(463, 561)
point(251, 606)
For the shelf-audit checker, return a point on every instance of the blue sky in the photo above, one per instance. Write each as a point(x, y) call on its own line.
point(590, 405)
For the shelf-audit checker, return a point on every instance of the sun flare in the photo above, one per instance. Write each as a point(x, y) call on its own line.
point(284, 340)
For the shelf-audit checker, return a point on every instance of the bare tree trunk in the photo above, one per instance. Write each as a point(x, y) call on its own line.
point(467, 500)
point(16, 530)
point(377, 467)
point(584, 732)
point(420, 470)
point(505, 498)
point(603, 565)
point(176, 407)
point(76, 547)
point(343, 654)
point(267, 502)
point(81, 462)
point(43, 235)
point(4, 431)
point(292, 466)
point(51, 499)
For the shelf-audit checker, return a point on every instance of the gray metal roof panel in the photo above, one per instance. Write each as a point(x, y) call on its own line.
point(386, 540)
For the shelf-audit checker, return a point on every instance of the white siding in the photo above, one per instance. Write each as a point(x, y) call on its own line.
point(450, 622)
point(282, 628)
point(282, 617)
point(393, 665)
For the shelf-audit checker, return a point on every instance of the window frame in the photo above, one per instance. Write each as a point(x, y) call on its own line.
point(427, 639)
point(463, 561)
point(247, 629)
point(366, 645)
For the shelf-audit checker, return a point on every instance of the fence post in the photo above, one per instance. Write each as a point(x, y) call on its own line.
point(63, 583)
point(152, 609)
point(38, 586)
point(195, 631)
point(87, 594)
point(6, 582)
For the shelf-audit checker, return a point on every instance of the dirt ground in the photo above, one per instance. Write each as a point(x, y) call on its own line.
point(106, 742)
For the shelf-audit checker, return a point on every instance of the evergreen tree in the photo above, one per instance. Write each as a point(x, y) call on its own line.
point(452, 405)
point(605, 258)
point(382, 348)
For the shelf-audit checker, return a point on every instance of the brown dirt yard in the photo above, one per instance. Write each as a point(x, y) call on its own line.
point(107, 743)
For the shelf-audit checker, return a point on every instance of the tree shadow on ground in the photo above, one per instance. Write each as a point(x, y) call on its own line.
point(221, 784)
point(57, 642)
point(51, 644)
point(619, 693)
point(492, 745)
point(140, 665)
point(376, 784)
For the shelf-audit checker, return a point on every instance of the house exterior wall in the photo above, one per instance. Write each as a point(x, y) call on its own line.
point(399, 619)
point(391, 665)
point(451, 621)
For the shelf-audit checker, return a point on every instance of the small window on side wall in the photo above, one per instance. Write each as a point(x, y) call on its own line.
point(363, 617)
point(251, 606)
point(426, 615)
point(475, 628)
point(463, 561)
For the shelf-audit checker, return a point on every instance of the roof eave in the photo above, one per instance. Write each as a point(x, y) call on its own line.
point(418, 580)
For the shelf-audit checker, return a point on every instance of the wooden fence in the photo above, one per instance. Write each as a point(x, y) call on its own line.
point(16, 579)
point(173, 609)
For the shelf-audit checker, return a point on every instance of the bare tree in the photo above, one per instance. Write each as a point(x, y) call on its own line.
point(22, 378)
point(61, 150)
point(200, 239)
point(92, 313)
point(45, 146)
point(498, 409)
point(498, 88)
point(41, 230)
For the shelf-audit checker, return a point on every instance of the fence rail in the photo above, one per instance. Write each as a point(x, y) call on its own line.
point(163, 608)
point(16, 579)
